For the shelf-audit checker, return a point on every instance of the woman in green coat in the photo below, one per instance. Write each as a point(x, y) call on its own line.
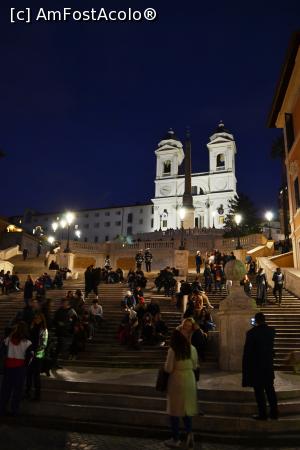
point(181, 362)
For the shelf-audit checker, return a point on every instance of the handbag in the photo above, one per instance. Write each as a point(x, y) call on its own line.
point(197, 374)
point(162, 380)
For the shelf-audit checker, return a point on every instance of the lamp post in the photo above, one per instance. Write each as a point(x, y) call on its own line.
point(54, 226)
point(69, 220)
point(213, 216)
point(182, 216)
point(62, 224)
point(78, 234)
point(51, 240)
point(238, 219)
point(269, 217)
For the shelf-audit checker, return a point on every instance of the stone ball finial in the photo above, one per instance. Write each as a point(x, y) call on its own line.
point(235, 270)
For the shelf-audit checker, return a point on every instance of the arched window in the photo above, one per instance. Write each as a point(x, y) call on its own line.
point(167, 167)
point(220, 161)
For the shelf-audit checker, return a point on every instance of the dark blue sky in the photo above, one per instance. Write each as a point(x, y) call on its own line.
point(83, 105)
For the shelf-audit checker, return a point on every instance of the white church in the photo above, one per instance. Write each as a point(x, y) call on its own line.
point(210, 190)
point(209, 194)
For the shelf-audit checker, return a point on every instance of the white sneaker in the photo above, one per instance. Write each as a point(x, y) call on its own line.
point(172, 444)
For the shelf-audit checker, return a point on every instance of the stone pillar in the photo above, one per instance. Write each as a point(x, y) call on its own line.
point(234, 319)
point(240, 254)
point(66, 260)
point(181, 262)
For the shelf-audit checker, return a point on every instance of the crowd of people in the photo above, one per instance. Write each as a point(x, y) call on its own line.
point(38, 339)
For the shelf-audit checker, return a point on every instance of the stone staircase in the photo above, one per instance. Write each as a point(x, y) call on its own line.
point(105, 350)
point(89, 394)
point(135, 409)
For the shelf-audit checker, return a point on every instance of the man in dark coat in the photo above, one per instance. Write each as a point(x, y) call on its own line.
point(139, 258)
point(258, 371)
point(198, 260)
point(148, 259)
point(278, 279)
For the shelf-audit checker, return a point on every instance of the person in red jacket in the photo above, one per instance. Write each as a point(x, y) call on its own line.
point(18, 354)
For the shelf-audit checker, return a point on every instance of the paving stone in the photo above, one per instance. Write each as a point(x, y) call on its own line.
point(23, 438)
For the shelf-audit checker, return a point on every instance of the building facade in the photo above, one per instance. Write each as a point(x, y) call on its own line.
point(285, 114)
point(211, 192)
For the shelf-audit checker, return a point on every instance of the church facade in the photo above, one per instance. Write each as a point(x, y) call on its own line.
point(210, 194)
point(210, 190)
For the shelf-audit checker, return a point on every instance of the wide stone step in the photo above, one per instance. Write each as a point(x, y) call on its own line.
point(286, 407)
point(139, 416)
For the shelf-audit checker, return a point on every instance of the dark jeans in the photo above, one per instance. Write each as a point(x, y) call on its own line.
point(34, 377)
point(277, 289)
point(148, 266)
point(261, 400)
point(187, 421)
point(198, 267)
point(12, 389)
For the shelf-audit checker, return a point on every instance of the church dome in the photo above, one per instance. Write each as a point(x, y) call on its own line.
point(170, 140)
point(170, 135)
point(221, 128)
point(221, 132)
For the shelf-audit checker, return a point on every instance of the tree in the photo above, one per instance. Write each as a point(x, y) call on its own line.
point(250, 223)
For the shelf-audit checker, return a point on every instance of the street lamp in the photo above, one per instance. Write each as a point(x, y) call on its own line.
point(51, 240)
point(238, 219)
point(54, 226)
point(77, 233)
point(213, 216)
point(269, 216)
point(62, 224)
point(69, 217)
point(182, 216)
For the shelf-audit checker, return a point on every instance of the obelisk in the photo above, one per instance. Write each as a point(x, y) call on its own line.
point(187, 199)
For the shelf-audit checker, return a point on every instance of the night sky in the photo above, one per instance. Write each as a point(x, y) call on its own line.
point(84, 104)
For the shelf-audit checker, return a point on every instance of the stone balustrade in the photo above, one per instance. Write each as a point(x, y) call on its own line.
point(9, 252)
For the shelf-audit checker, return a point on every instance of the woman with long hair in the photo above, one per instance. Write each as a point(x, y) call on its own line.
point(39, 338)
point(181, 362)
point(18, 353)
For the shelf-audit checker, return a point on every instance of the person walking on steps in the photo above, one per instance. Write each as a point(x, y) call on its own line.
point(278, 279)
point(182, 361)
point(258, 370)
point(25, 254)
point(198, 260)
